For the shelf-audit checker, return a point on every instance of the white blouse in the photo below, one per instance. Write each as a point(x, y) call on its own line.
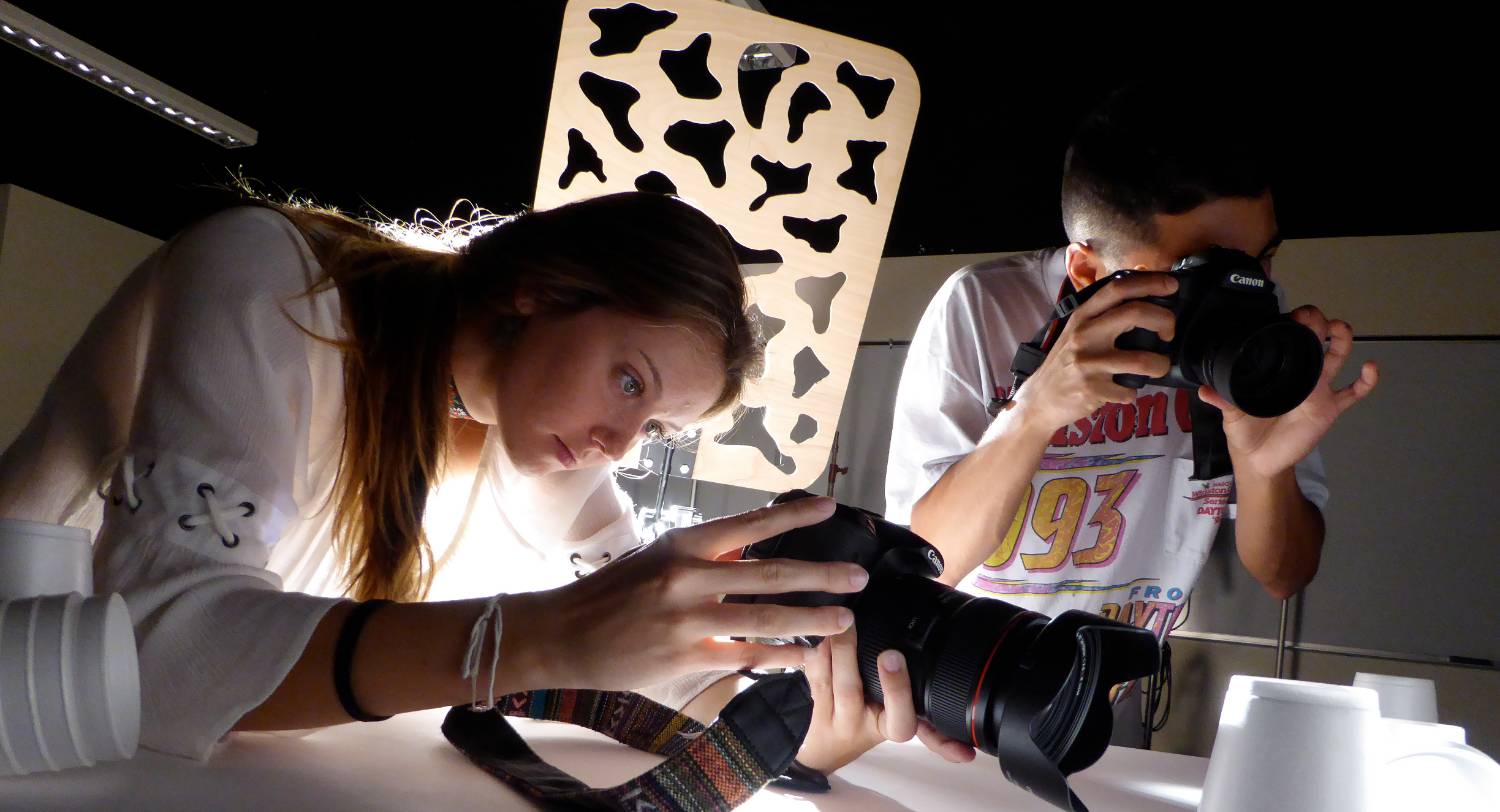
point(203, 409)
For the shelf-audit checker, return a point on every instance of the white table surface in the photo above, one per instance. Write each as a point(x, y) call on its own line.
point(406, 764)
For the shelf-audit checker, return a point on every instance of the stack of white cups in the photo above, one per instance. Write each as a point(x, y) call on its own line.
point(1315, 747)
point(69, 679)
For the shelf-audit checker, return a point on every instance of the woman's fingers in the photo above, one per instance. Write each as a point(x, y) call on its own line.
point(955, 751)
point(774, 576)
point(898, 720)
point(848, 688)
point(713, 539)
point(769, 620)
point(713, 655)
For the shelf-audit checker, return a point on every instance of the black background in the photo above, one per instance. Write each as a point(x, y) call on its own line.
point(1378, 127)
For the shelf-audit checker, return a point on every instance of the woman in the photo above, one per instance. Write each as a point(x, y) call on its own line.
point(270, 394)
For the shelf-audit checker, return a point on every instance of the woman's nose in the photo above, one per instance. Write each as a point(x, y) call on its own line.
point(610, 442)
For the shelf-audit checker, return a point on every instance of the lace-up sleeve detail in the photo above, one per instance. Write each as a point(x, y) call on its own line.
point(204, 489)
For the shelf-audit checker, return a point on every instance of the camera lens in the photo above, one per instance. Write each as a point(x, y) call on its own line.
point(1018, 685)
point(1030, 690)
point(1267, 369)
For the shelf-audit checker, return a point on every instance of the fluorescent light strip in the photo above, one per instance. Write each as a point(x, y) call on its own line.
point(110, 74)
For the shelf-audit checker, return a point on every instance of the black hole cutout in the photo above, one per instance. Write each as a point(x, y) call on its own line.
point(622, 29)
point(860, 176)
point(753, 256)
point(582, 157)
point(761, 66)
point(688, 70)
point(822, 235)
point(806, 429)
point(614, 100)
point(818, 293)
point(808, 370)
point(806, 100)
point(872, 93)
point(705, 142)
point(750, 430)
point(655, 182)
point(770, 326)
point(780, 179)
point(755, 261)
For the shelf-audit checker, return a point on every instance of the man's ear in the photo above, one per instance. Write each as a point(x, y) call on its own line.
point(525, 303)
point(1085, 266)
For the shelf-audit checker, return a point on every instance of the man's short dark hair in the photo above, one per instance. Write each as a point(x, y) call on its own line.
point(1158, 149)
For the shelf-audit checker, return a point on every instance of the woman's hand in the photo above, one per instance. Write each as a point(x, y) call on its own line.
point(845, 725)
point(655, 613)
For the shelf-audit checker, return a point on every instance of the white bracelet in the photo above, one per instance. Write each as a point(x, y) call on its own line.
point(476, 649)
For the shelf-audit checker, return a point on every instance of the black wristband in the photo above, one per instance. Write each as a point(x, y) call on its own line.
point(343, 659)
point(799, 777)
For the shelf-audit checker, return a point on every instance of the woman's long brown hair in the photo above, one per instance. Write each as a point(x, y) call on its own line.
point(649, 256)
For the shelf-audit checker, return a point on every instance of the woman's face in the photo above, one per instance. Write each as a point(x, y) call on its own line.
point(580, 390)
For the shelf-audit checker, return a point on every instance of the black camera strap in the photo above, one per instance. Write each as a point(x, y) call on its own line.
point(1210, 446)
point(707, 769)
point(1030, 355)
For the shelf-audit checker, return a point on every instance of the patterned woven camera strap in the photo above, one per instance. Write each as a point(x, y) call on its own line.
point(707, 769)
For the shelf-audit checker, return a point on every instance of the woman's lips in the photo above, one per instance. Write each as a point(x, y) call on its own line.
point(564, 454)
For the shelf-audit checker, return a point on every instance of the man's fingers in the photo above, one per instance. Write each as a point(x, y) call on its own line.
point(1340, 337)
point(1132, 287)
point(1369, 375)
point(1109, 325)
point(1313, 319)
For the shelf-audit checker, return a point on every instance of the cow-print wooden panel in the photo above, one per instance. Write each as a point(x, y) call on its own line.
point(791, 138)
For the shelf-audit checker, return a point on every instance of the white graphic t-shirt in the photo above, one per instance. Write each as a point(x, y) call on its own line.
point(1111, 523)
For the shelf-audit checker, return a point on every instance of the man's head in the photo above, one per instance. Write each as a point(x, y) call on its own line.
point(1162, 171)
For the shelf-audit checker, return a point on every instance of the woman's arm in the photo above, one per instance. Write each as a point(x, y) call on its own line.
point(648, 617)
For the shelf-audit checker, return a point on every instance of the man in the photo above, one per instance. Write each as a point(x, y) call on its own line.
point(1077, 494)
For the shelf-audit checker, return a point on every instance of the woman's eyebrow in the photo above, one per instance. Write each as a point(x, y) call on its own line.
point(655, 374)
point(660, 391)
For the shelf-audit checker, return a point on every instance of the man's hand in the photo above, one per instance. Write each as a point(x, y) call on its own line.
point(1269, 446)
point(1077, 376)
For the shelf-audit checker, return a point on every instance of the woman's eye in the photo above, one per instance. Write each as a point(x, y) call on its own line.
point(630, 384)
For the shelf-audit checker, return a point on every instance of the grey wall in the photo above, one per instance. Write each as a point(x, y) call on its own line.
point(58, 266)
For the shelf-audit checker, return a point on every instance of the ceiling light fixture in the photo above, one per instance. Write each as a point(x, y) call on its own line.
point(119, 79)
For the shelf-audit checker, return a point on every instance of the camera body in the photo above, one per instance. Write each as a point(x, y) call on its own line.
point(1031, 691)
point(1230, 335)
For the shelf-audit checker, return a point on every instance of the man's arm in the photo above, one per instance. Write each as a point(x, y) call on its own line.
point(1278, 532)
point(971, 507)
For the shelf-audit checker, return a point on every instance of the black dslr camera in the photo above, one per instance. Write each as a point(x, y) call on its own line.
point(1230, 335)
point(1029, 690)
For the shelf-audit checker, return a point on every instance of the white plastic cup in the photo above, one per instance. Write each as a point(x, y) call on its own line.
point(1284, 744)
point(1429, 766)
point(69, 683)
point(1312, 747)
point(37, 558)
point(1410, 698)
